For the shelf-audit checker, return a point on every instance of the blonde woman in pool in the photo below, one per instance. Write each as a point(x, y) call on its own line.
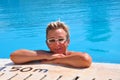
point(57, 40)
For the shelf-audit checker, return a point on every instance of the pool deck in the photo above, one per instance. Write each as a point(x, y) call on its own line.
point(37, 71)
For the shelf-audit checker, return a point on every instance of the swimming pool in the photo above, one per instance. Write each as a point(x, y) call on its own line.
point(94, 26)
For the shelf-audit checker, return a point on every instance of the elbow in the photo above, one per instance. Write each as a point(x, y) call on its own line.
point(85, 61)
point(14, 58)
point(88, 61)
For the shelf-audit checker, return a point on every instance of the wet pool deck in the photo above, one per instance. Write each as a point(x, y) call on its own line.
point(35, 71)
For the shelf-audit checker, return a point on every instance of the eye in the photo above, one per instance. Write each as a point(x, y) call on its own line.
point(61, 40)
point(51, 40)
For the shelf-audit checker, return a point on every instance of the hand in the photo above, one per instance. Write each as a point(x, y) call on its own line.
point(55, 56)
point(58, 55)
point(54, 61)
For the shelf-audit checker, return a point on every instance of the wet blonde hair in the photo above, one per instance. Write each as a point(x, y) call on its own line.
point(57, 25)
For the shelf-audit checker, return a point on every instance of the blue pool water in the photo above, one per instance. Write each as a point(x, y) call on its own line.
point(94, 26)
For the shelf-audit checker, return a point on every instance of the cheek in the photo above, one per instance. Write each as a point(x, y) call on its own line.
point(51, 47)
point(66, 44)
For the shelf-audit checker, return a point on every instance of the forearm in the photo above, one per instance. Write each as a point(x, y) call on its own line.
point(74, 60)
point(80, 61)
point(23, 56)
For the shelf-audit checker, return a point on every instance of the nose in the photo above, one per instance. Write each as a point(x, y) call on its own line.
point(57, 43)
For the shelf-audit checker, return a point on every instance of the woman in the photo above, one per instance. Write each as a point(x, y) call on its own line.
point(57, 40)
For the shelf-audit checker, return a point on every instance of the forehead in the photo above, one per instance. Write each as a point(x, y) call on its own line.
point(56, 33)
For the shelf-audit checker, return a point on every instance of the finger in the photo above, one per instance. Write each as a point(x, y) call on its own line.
point(58, 55)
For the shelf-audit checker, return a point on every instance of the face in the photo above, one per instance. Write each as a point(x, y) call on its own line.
point(57, 41)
